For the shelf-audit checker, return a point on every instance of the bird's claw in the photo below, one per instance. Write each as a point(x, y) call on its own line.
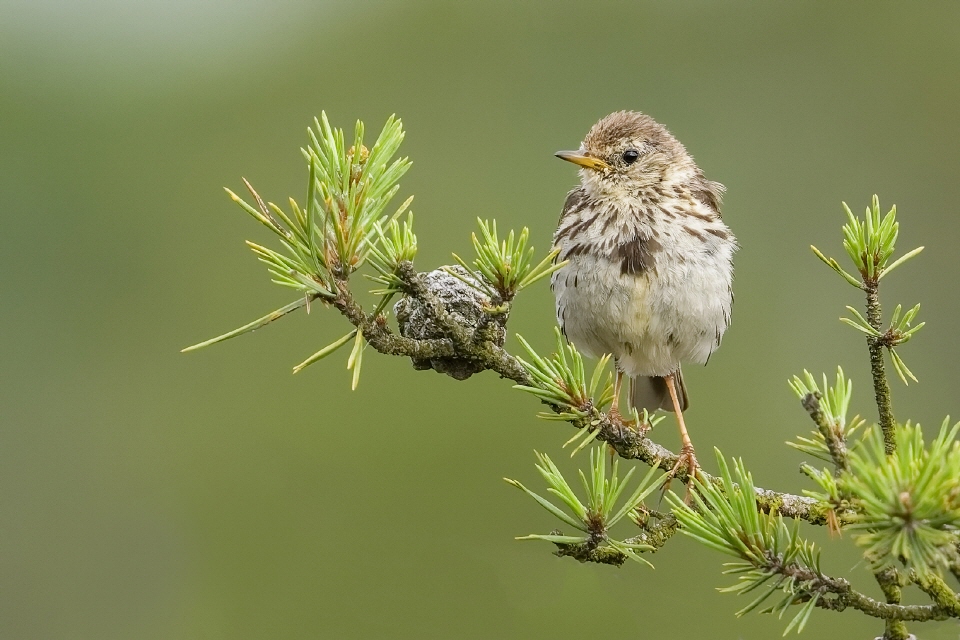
point(687, 460)
point(616, 419)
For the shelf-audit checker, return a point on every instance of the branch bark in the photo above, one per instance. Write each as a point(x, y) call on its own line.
point(844, 596)
point(381, 338)
point(831, 433)
point(654, 534)
point(881, 387)
point(945, 597)
point(889, 579)
point(634, 445)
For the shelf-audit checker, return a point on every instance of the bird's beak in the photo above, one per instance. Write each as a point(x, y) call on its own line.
point(582, 159)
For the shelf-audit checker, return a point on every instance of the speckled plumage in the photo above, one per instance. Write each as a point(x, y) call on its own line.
point(650, 270)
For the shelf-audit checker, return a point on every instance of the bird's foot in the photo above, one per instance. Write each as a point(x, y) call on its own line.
point(686, 462)
point(616, 418)
point(641, 425)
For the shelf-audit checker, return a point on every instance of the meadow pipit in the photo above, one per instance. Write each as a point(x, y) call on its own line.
point(650, 262)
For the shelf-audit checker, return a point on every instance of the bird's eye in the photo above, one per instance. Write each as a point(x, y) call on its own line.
point(630, 156)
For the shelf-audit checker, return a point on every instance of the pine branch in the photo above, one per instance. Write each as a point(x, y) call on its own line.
point(881, 387)
point(890, 582)
point(844, 596)
point(870, 243)
point(944, 597)
point(899, 496)
point(654, 535)
point(381, 338)
point(834, 441)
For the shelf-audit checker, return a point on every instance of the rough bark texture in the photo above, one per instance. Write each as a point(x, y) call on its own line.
point(831, 433)
point(654, 534)
point(463, 305)
point(881, 388)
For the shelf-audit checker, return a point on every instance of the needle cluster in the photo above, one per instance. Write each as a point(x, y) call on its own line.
point(595, 518)
point(773, 558)
point(502, 268)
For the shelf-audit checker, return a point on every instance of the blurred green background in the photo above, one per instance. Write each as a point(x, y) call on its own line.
point(150, 494)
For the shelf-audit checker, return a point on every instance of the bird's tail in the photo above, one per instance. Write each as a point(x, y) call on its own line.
point(651, 393)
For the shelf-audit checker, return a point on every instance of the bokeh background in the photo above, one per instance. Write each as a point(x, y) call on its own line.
point(150, 494)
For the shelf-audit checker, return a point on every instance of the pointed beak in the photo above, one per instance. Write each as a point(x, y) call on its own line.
point(582, 159)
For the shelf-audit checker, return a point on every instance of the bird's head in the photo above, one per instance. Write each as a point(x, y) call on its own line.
point(626, 152)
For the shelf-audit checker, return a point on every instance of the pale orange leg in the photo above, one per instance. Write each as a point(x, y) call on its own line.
point(687, 456)
point(614, 413)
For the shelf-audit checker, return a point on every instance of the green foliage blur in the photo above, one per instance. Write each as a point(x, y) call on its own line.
point(146, 493)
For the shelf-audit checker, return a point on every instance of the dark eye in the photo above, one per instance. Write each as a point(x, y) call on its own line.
point(630, 156)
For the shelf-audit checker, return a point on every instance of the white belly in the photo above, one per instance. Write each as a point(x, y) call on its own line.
point(651, 321)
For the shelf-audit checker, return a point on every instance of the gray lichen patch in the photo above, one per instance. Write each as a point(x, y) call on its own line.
point(465, 304)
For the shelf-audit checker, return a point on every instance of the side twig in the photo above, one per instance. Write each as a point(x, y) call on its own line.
point(381, 338)
point(881, 387)
point(831, 435)
point(844, 596)
point(654, 534)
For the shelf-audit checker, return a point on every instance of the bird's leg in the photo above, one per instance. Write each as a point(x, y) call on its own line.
point(614, 413)
point(687, 456)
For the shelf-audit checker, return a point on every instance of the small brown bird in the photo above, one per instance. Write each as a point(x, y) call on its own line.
point(650, 271)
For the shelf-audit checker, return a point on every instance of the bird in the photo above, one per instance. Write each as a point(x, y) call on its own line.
point(648, 277)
